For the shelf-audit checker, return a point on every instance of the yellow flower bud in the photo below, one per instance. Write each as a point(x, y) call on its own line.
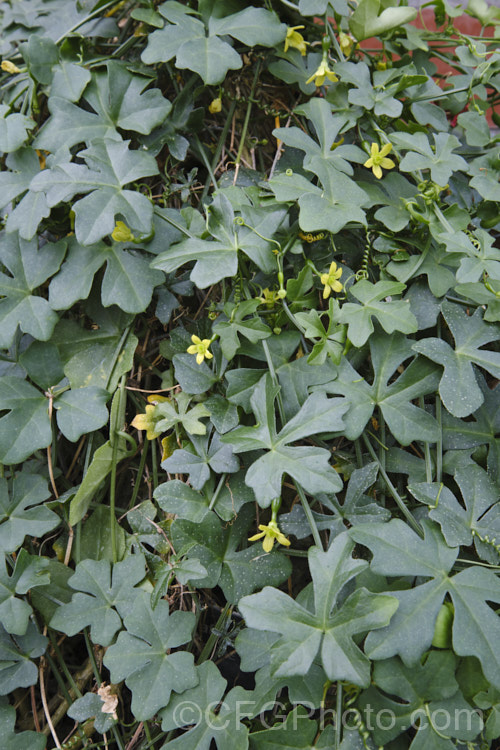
point(9, 67)
point(215, 106)
point(122, 233)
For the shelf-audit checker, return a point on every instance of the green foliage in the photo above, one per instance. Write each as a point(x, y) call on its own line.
point(249, 364)
point(305, 633)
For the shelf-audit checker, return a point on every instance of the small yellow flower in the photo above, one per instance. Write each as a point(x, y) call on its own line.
point(321, 73)
point(9, 67)
point(122, 233)
point(148, 420)
point(268, 533)
point(200, 348)
point(295, 39)
point(215, 106)
point(378, 159)
point(330, 280)
point(268, 298)
point(346, 43)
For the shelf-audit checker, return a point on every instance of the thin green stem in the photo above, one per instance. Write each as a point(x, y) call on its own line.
point(382, 446)
point(217, 491)
point(62, 663)
point(114, 461)
point(174, 224)
point(116, 354)
point(212, 640)
point(309, 515)
point(399, 502)
point(154, 461)
point(84, 20)
point(439, 441)
point(218, 150)
point(427, 449)
point(201, 150)
point(275, 380)
point(359, 456)
point(140, 471)
point(338, 714)
point(247, 114)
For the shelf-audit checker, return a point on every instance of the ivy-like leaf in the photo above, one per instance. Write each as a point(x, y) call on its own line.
point(405, 420)
point(393, 315)
point(481, 256)
point(238, 324)
point(478, 521)
point(22, 512)
point(441, 160)
point(186, 38)
point(218, 457)
point(426, 692)
point(141, 655)
point(175, 411)
point(32, 208)
point(29, 571)
point(237, 572)
point(327, 127)
point(329, 207)
point(118, 100)
point(69, 82)
point(366, 21)
point(379, 97)
point(110, 166)
point(26, 427)
point(307, 465)
point(482, 429)
point(20, 740)
point(108, 598)
point(223, 727)
point(16, 668)
point(29, 267)
point(13, 129)
point(399, 551)
point(90, 706)
point(78, 411)
point(458, 388)
point(177, 497)
point(329, 631)
point(217, 258)
point(90, 353)
point(128, 280)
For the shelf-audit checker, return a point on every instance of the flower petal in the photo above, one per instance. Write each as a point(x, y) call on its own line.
point(268, 543)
